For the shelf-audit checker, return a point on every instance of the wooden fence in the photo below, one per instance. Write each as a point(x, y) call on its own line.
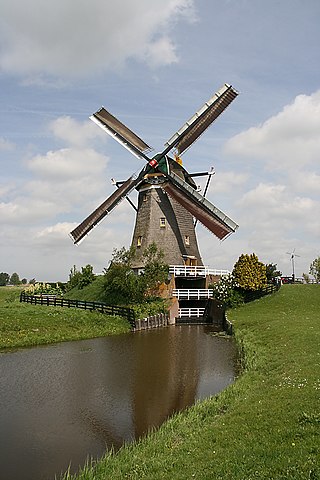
point(54, 301)
point(249, 296)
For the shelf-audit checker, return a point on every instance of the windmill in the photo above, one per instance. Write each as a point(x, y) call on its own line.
point(168, 200)
point(293, 254)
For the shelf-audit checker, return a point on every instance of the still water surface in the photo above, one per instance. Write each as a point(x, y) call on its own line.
point(63, 402)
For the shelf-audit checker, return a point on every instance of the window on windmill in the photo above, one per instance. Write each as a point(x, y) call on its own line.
point(187, 239)
point(162, 222)
point(139, 241)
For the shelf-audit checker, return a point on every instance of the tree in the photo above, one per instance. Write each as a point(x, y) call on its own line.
point(80, 279)
point(272, 273)
point(122, 285)
point(74, 278)
point(4, 279)
point(155, 269)
point(315, 269)
point(249, 273)
point(14, 279)
point(306, 277)
point(24, 281)
point(86, 277)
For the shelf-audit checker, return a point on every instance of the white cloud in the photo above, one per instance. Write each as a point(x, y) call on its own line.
point(161, 52)
point(226, 181)
point(78, 37)
point(264, 195)
point(61, 180)
point(67, 178)
point(289, 140)
point(75, 133)
point(305, 181)
point(25, 210)
point(5, 189)
point(56, 232)
point(276, 205)
point(68, 163)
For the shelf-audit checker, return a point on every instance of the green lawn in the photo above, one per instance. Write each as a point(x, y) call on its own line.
point(23, 324)
point(265, 426)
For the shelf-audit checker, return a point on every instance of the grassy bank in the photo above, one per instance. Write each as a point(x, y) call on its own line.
point(91, 293)
point(95, 293)
point(265, 426)
point(23, 324)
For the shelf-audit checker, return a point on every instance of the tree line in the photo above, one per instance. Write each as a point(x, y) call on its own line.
point(121, 283)
point(13, 279)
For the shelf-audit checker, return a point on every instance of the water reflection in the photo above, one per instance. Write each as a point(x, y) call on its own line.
point(63, 402)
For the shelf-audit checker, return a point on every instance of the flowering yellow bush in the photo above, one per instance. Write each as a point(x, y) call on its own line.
point(249, 273)
point(43, 289)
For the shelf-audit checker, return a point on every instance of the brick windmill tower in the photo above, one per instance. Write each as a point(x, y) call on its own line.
point(168, 200)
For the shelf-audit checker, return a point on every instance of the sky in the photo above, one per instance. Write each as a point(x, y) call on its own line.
point(153, 64)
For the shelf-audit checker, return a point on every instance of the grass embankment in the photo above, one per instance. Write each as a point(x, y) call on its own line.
point(95, 293)
point(22, 324)
point(91, 293)
point(264, 426)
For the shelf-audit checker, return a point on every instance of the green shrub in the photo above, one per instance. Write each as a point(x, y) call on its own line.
point(148, 308)
point(123, 286)
point(225, 291)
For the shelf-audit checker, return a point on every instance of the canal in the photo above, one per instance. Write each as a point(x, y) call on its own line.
point(63, 402)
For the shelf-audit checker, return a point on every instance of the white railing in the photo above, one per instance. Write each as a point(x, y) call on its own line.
point(192, 293)
point(191, 312)
point(197, 271)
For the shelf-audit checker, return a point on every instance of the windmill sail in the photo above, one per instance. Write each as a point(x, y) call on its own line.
point(203, 210)
point(160, 171)
point(121, 133)
point(109, 204)
point(202, 119)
